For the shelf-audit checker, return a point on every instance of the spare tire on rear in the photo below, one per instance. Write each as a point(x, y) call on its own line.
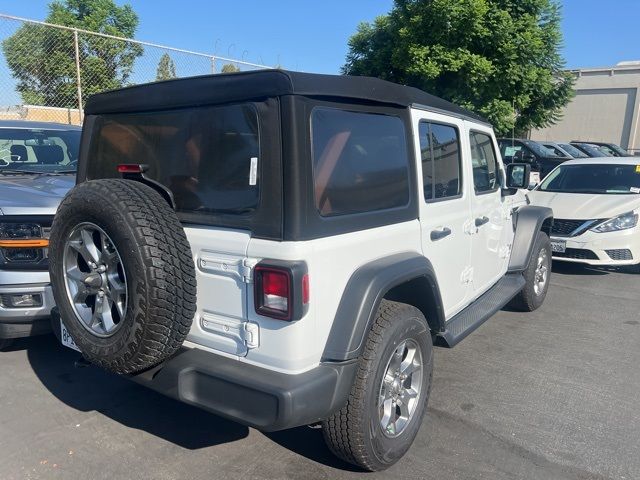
point(122, 274)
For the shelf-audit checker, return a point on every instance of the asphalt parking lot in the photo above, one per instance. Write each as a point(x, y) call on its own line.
point(549, 395)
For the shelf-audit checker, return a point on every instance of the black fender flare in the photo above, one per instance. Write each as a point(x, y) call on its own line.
point(528, 221)
point(362, 296)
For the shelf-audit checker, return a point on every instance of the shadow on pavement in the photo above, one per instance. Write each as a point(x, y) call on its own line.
point(308, 442)
point(568, 268)
point(92, 389)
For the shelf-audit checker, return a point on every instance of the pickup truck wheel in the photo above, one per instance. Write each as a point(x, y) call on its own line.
point(389, 396)
point(537, 276)
point(122, 274)
point(5, 343)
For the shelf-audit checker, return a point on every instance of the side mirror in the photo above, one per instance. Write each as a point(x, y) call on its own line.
point(517, 177)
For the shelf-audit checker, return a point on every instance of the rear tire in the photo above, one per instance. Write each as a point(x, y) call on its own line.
point(537, 276)
point(364, 432)
point(122, 274)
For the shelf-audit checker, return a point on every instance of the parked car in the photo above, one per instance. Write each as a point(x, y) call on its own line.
point(541, 159)
point(283, 248)
point(609, 149)
point(596, 203)
point(566, 150)
point(37, 167)
point(572, 150)
point(590, 149)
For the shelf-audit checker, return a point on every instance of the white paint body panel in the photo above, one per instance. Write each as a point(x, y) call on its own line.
point(223, 259)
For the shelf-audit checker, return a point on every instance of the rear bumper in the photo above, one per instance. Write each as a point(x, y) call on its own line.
point(251, 395)
point(25, 322)
point(254, 396)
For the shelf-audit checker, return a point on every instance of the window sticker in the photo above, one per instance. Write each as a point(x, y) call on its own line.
point(253, 171)
point(637, 168)
point(511, 151)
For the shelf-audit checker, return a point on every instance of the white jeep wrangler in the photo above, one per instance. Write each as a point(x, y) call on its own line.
point(284, 249)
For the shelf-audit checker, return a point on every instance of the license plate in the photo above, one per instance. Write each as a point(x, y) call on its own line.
point(558, 246)
point(66, 339)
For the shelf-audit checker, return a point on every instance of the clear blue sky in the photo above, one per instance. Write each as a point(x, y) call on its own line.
point(312, 36)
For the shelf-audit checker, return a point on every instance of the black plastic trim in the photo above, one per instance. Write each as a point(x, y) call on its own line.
point(295, 272)
point(248, 394)
point(483, 308)
point(27, 328)
point(157, 186)
point(529, 220)
point(362, 296)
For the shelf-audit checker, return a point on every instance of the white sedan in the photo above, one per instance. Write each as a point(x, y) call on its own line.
point(596, 202)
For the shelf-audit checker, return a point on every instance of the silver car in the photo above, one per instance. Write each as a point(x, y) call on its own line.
point(37, 167)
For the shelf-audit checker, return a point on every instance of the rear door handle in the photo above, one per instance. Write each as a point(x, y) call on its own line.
point(440, 233)
point(481, 221)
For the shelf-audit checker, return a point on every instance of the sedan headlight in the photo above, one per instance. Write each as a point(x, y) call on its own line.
point(22, 242)
point(621, 222)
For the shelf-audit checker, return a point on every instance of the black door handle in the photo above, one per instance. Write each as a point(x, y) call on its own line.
point(481, 221)
point(440, 233)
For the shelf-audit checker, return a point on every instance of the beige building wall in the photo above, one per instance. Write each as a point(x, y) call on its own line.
point(605, 108)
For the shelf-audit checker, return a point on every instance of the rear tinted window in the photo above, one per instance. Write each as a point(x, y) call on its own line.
point(208, 157)
point(360, 161)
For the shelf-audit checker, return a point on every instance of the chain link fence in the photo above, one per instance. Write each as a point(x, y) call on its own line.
point(48, 71)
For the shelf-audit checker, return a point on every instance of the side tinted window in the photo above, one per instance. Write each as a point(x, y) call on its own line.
point(485, 165)
point(360, 161)
point(441, 162)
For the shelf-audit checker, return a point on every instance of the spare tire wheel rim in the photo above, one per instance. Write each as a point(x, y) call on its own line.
point(95, 280)
point(401, 387)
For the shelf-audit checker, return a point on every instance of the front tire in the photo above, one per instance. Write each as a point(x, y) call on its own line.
point(390, 393)
point(537, 276)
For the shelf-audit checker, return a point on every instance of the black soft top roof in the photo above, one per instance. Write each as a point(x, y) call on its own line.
point(241, 86)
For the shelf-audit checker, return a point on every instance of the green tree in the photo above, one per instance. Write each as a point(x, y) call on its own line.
point(491, 56)
point(229, 68)
point(42, 59)
point(166, 68)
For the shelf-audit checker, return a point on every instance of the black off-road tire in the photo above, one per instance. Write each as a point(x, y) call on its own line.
point(157, 259)
point(354, 433)
point(528, 300)
point(5, 343)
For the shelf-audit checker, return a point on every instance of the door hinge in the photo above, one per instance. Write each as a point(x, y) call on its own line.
point(467, 276)
point(246, 270)
point(250, 333)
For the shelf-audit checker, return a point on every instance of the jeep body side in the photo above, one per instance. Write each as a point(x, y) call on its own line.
point(366, 194)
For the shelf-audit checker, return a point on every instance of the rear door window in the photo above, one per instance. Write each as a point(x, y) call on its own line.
point(208, 157)
point(441, 161)
point(360, 161)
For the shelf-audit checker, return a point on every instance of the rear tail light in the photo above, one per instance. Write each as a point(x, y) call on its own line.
point(131, 168)
point(275, 291)
point(281, 290)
